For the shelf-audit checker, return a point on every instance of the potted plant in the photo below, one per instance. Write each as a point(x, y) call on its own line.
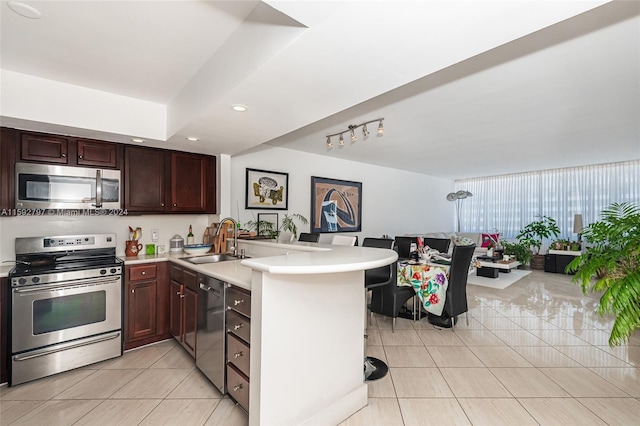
point(519, 251)
point(288, 224)
point(531, 236)
point(611, 265)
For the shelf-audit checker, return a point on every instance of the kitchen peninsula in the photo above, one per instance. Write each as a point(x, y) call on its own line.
point(307, 325)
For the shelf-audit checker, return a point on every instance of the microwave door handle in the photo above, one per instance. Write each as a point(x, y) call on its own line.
point(98, 203)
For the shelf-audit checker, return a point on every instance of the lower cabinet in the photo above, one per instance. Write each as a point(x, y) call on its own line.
point(183, 300)
point(146, 304)
point(557, 261)
point(4, 329)
point(238, 323)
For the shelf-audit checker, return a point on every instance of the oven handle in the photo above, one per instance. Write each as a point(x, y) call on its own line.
point(66, 286)
point(65, 346)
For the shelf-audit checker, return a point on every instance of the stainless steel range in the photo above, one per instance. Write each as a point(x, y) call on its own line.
point(66, 304)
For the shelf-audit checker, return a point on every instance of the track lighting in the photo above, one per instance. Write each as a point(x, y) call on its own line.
point(352, 130)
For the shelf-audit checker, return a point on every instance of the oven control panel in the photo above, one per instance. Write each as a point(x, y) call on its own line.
point(69, 241)
point(112, 271)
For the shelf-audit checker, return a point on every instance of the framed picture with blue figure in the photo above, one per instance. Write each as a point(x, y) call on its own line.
point(336, 205)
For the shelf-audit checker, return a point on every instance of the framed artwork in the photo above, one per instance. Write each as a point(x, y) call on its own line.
point(263, 227)
point(336, 205)
point(267, 190)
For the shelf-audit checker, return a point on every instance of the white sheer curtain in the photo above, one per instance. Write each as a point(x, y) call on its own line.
point(509, 202)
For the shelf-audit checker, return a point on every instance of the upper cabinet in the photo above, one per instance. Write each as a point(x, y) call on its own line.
point(192, 183)
point(157, 181)
point(66, 150)
point(144, 179)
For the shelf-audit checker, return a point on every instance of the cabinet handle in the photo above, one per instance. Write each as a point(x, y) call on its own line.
point(162, 205)
point(238, 326)
point(236, 388)
point(182, 296)
point(174, 204)
point(238, 354)
point(80, 157)
point(64, 154)
point(178, 293)
point(144, 272)
point(237, 302)
point(133, 290)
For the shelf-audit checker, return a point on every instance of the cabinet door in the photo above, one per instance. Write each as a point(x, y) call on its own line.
point(44, 148)
point(4, 329)
point(95, 153)
point(175, 309)
point(144, 175)
point(190, 320)
point(141, 309)
point(192, 183)
point(162, 299)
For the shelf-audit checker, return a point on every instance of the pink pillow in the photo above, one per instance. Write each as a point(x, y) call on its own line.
point(486, 239)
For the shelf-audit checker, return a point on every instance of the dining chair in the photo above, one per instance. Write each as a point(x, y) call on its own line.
point(344, 240)
point(309, 237)
point(440, 244)
point(456, 301)
point(403, 246)
point(388, 300)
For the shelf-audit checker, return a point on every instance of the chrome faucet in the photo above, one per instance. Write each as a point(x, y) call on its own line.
point(235, 233)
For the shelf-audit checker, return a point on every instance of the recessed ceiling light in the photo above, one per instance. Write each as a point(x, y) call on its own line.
point(193, 139)
point(239, 107)
point(24, 10)
point(138, 140)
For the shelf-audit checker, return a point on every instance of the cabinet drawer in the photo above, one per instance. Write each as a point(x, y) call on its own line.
point(239, 325)
point(239, 300)
point(190, 279)
point(238, 353)
point(176, 274)
point(142, 272)
point(238, 387)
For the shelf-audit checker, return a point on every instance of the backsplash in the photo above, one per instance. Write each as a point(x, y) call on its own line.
point(36, 226)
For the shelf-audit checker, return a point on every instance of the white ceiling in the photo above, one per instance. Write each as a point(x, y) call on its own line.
point(467, 88)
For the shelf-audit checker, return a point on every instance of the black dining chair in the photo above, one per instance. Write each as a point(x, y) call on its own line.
point(309, 237)
point(403, 246)
point(440, 244)
point(456, 301)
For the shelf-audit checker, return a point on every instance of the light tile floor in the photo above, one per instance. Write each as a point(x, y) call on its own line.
point(533, 353)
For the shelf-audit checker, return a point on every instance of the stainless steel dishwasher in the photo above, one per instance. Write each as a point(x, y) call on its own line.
point(210, 347)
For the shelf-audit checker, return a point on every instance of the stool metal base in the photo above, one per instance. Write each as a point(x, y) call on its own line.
point(374, 369)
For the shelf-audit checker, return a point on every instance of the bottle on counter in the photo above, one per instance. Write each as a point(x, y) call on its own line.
point(190, 239)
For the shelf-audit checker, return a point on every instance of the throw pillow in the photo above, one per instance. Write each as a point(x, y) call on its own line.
point(462, 241)
point(486, 239)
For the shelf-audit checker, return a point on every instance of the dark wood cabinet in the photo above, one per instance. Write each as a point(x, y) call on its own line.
point(144, 179)
point(192, 183)
point(184, 305)
point(146, 304)
point(44, 148)
point(160, 181)
point(4, 330)
point(97, 154)
point(68, 150)
point(9, 139)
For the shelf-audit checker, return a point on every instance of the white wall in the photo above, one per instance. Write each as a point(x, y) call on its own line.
point(38, 226)
point(394, 202)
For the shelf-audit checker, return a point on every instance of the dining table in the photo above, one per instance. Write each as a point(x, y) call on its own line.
point(429, 280)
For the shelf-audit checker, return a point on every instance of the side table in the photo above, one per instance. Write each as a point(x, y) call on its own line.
point(557, 260)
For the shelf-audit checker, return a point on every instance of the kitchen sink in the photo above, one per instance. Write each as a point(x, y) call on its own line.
point(213, 258)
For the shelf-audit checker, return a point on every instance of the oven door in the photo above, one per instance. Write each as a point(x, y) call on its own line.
point(48, 314)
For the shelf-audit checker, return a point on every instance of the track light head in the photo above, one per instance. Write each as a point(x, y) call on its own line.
point(380, 129)
point(329, 143)
point(353, 134)
point(341, 142)
point(365, 132)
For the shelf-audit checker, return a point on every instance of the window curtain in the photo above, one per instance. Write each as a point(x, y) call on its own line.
point(509, 202)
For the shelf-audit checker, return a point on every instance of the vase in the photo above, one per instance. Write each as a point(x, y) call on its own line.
point(132, 248)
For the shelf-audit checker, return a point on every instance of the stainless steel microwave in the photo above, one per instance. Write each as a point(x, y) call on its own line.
point(43, 186)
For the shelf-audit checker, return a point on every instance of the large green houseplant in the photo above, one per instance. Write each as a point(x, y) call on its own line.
point(611, 264)
point(531, 236)
point(518, 250)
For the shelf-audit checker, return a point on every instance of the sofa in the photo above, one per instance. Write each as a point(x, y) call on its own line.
point(476, 237)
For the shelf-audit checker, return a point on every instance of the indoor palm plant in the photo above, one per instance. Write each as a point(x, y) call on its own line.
point(519, 251)
point(531, 236)
point(611, 264)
